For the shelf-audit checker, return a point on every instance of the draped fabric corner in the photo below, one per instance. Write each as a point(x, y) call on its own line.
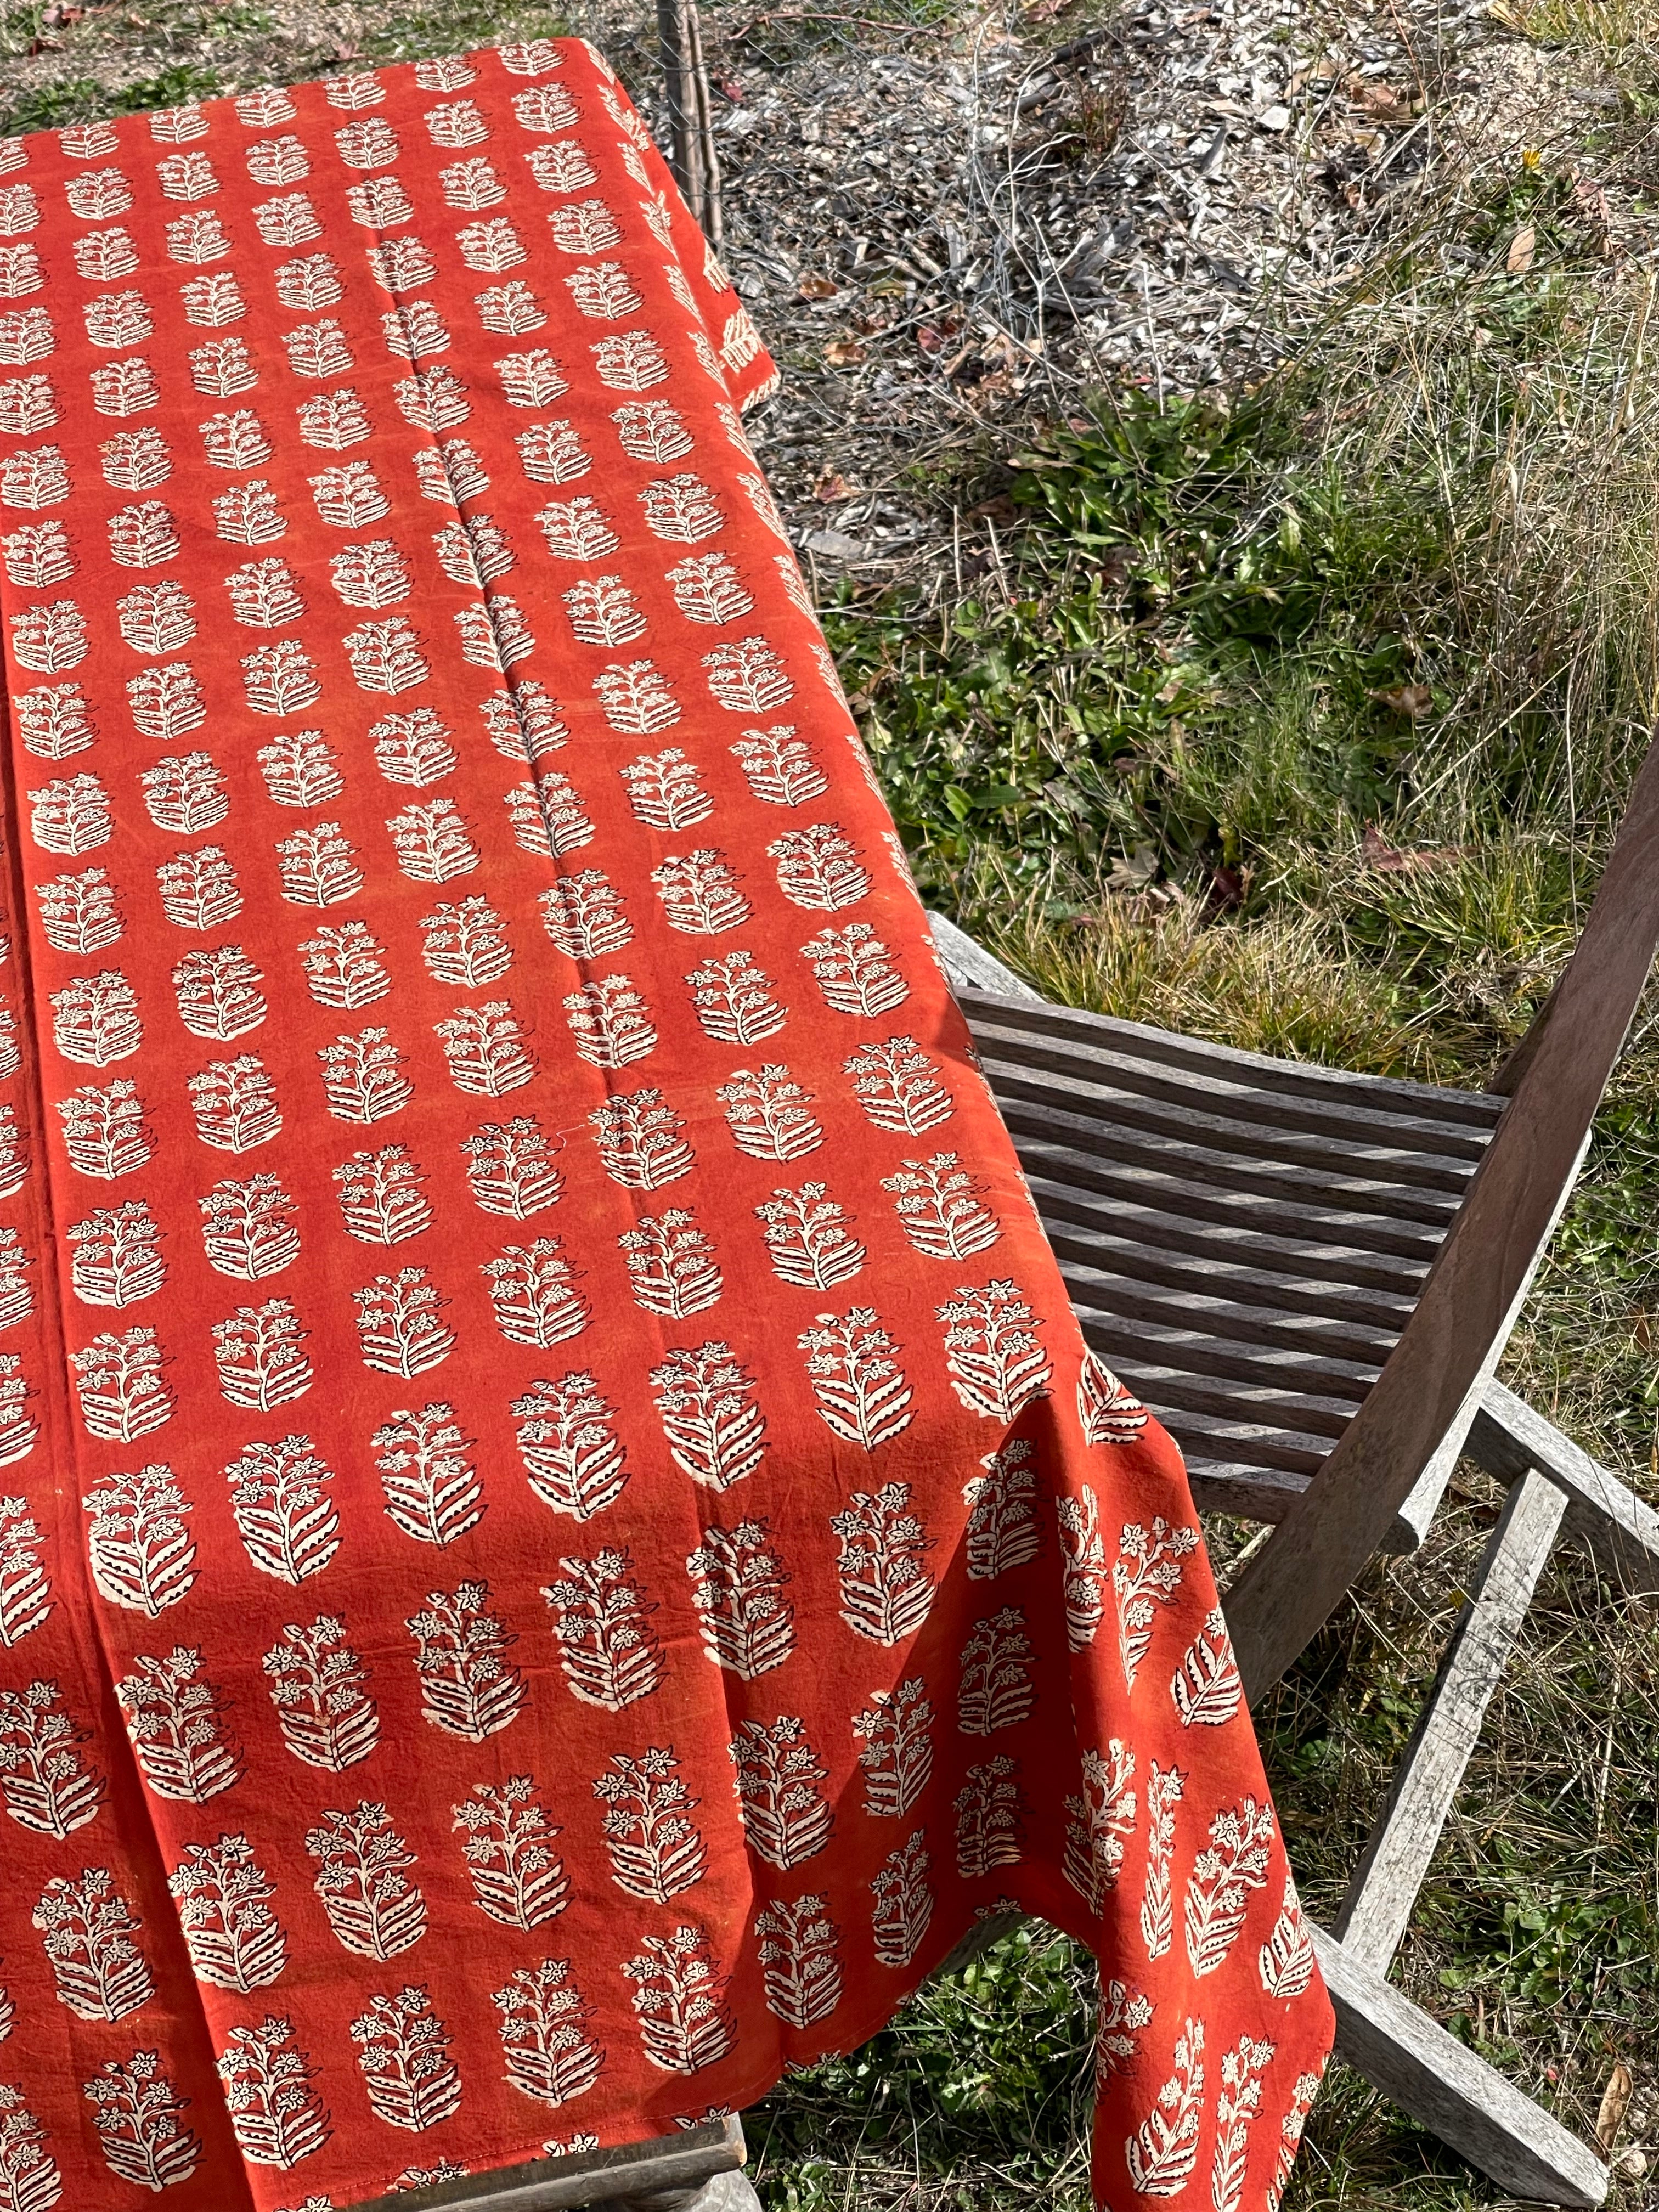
point(560, 1542)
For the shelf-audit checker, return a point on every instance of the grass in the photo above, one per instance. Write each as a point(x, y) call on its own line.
point(79, 98)
point(1624, 35)
point(119, 60)
point(1218, 630)
point(450, 26)
point(1298, 717)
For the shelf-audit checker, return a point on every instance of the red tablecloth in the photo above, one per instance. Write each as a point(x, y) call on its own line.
point(563, 1542)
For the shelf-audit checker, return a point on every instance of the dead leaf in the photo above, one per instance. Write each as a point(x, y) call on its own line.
point(1414, 701)
point(1383, 858)
point(1226, 891)
point(1386, 859)
point(1133, 872)
point(1591, 212)
point(1116, 564)
point(998, 386)
point(831, 486)
point(844, 353)
point(1615, 2102)
point(817, 288)
point(1383, 103)
point(733, 88)
point(1642, 1329)
point(1523, 246)
point(929, 338)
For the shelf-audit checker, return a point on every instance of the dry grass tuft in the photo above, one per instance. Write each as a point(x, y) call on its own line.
point(1615, 28)
point(1269, 986)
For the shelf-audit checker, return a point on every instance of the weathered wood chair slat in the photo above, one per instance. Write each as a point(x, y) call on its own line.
point(1168, 1209)
point(1273, 1120)
point(1221, 1184)
point(1295, 1272)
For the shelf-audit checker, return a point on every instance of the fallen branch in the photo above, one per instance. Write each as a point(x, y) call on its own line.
point(827, 15)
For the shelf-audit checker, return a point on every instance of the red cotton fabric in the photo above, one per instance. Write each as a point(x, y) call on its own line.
point(560, 1539)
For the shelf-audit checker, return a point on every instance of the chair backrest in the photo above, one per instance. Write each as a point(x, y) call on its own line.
point(1416, 1417)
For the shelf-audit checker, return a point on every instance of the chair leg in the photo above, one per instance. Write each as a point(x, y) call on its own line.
point(1380, 2033)
point(1441, 2081)
point(1553, 1486)
point(1374, 1915)
point(1469, 2105)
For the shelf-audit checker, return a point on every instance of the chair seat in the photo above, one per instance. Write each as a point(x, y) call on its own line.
point(1243, 1238)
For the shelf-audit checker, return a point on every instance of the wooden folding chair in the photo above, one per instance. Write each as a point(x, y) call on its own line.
point(1310, 1278)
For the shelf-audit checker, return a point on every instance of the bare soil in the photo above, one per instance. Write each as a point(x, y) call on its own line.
point(952, 224)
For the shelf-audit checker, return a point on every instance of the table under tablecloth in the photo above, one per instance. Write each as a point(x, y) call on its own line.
point(561, 1542)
